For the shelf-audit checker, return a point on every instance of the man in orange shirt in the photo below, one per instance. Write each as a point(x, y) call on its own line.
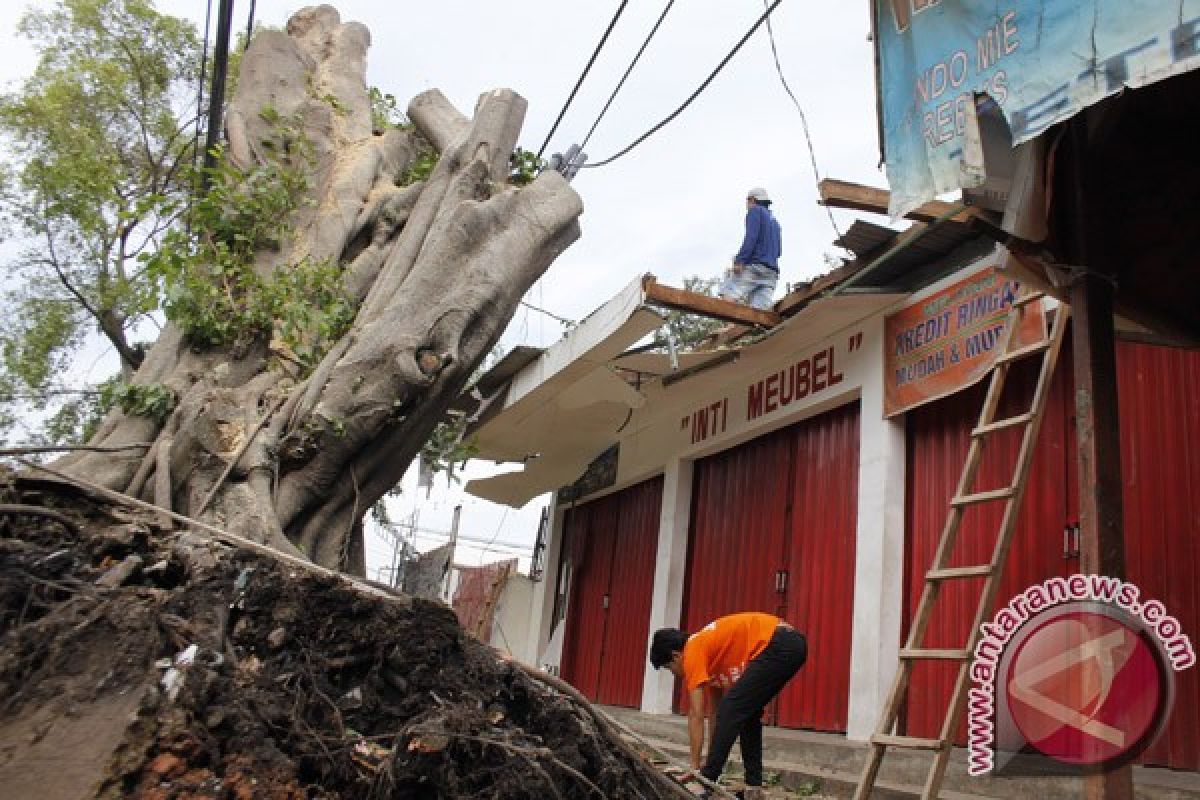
point(735, 665)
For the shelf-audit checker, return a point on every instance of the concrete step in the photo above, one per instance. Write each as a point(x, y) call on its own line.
point(808, 781)
point(806, 758)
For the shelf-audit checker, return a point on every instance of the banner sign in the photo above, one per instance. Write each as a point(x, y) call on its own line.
point(1040, 61)
point(950, 340)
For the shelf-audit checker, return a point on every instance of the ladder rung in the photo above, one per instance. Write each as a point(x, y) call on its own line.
point(980, 571)
point(983, 497)
point(1001, 424)
point(935, 654)
point(1029, 298)
point(888, 740)
point(1021, 352)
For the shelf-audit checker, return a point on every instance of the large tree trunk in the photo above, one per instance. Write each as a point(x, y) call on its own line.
point(437, 270)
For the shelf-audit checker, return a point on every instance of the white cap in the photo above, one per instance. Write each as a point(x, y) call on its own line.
point(759, 194)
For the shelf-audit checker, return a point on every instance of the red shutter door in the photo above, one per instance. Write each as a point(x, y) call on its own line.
point(615, 540)
point(739, 503)
point(631, 584)
point(824, 521)
point(592, 550)
point(735, 547)
point(773, 525)
point(938, 438)
point(1160, 466)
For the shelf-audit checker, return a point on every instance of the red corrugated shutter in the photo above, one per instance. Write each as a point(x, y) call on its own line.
point(784, 503)
point(591, 567)
point(623, 664)
point(1160, 467)
point(608, 619)
point(938, 438)
point(1160, 463)
point(824, 522)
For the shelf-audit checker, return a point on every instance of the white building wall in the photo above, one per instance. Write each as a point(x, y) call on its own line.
point(879, 551)
point(512, 624)
point(666, 602)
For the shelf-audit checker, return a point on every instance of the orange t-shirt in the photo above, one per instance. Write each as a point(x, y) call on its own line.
point(719, 653)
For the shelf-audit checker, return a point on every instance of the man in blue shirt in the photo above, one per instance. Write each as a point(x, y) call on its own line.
point(755, 269)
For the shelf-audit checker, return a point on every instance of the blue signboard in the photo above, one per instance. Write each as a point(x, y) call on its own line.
point(1040, 61)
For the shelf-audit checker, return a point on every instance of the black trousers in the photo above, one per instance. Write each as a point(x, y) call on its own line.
point(739, 716)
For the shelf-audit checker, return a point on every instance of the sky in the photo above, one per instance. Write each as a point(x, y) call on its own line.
point(674, 206)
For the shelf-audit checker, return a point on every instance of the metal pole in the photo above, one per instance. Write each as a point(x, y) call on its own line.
point(217, 95)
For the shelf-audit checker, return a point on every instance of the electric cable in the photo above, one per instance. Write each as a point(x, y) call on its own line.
point(812, 153)
point(694, 95)
point(203, 80)
point(621, 82)
point(550, 314)
point(586, 69)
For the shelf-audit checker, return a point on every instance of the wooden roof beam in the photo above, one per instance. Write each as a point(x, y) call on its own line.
point(855, 196)
point(715, 307)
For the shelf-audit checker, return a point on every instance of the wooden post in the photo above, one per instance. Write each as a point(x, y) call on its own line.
point(1102, 539)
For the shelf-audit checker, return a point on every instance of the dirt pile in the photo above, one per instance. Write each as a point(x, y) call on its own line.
point(139, 661)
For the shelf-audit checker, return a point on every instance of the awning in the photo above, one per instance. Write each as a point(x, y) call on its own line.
point(567, 405)
point(587, 392)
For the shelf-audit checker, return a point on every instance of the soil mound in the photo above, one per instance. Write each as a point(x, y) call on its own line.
point(145, 662)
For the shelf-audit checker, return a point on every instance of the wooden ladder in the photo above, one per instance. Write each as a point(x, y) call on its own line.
point(940, 572)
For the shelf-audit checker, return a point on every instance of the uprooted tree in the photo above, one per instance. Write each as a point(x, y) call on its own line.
point(330, 297)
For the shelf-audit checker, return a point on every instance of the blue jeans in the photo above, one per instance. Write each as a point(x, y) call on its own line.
point(754, 286)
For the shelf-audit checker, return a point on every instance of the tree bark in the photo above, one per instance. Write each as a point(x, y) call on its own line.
point(437, 270)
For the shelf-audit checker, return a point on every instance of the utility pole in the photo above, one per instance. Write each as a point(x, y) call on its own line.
point(216, 102)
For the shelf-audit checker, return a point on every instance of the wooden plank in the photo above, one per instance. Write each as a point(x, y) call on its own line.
point(1022, 352)
point(715, 307)
point(999, 425)
point(935, 654)
point(911, 742)
point(857, 197)
point(950, 573)
point(983, 497)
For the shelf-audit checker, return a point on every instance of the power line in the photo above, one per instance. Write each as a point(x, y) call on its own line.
point(812, 153)
point(549, 314)
point(203, 80)
point(694, 95)
point(591, 61)
point(632, 64)
point(488, 548)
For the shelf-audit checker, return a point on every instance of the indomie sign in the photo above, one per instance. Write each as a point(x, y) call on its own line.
point(950, 340)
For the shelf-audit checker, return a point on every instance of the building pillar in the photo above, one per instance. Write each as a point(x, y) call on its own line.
point(666, 602)
point(879, 551)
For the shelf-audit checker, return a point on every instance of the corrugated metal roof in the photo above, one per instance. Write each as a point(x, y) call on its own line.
point(865, 237)
point(907, 260)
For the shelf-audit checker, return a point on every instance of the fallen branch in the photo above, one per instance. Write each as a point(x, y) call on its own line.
point(116, 448)
point(220, 535)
